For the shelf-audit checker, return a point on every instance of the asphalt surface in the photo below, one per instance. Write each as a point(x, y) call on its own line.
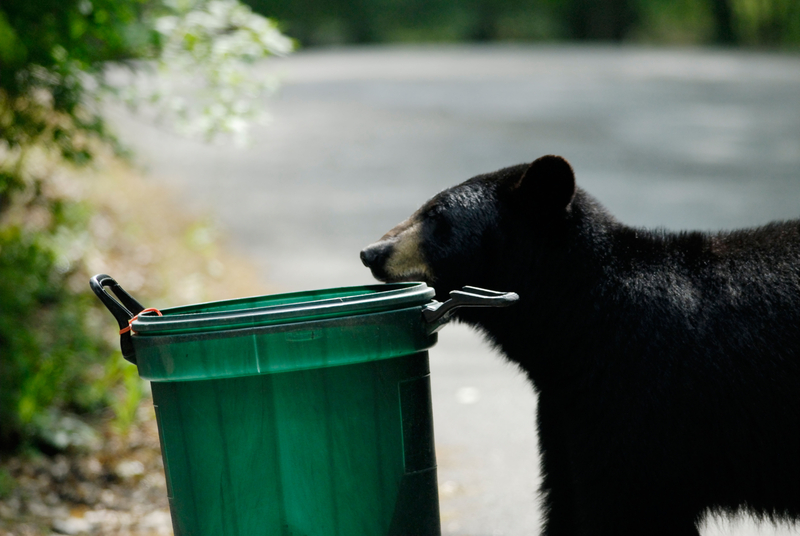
point(682, 139)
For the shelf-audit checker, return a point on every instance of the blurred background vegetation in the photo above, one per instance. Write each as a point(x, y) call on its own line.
point(72, 205)
point(768, 23)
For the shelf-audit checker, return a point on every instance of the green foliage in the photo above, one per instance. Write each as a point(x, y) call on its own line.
point(54, 56)
point(742, 22)
point(49, 48)
point(206, 85)
point(771, 22)
point(129, 388)
point(7, 484)
point(45, 344)
point(676, 22)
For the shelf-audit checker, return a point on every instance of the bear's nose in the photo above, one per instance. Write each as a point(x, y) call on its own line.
point(375, 254)
point(368, 256)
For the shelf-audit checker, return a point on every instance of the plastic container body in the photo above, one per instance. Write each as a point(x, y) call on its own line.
point(332, 451)
point(296, 415)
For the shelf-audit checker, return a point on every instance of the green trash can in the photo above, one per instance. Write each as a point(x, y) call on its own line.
point(303, 414)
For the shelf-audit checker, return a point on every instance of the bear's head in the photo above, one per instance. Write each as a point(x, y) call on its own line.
point(480, 232)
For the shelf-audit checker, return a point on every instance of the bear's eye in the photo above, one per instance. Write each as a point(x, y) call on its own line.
point(434, 211)
point(440, 226)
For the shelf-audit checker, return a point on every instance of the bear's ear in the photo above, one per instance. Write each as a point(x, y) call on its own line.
point(549, 182)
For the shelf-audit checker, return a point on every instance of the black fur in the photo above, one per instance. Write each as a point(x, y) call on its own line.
point(667, 364)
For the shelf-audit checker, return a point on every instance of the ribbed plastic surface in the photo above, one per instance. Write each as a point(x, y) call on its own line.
point(301, 414)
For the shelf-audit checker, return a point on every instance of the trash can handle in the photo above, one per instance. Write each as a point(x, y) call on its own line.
point(124, 308)
point(437, 313)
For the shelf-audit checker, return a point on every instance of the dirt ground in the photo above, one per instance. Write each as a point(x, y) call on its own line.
point(117, 489)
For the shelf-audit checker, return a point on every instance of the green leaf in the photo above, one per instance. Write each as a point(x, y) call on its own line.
point(12, 50)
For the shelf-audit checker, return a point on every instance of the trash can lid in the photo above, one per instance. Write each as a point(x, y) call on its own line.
point(283, 308)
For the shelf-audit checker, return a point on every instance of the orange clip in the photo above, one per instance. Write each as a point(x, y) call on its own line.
point(130, 328)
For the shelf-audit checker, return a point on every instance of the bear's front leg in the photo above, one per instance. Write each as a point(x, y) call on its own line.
point(558, 515)
point(593, 486)
point(556, 491)
point(625, 517)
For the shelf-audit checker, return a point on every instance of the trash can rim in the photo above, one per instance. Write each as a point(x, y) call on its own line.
point(283, 308)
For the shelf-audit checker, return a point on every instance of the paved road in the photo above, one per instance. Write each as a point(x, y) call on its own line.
point(361, 137)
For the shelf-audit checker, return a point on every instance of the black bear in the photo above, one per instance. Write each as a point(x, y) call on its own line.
point(667, 365)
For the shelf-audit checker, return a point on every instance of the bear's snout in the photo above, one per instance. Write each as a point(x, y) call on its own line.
point(375, 256)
